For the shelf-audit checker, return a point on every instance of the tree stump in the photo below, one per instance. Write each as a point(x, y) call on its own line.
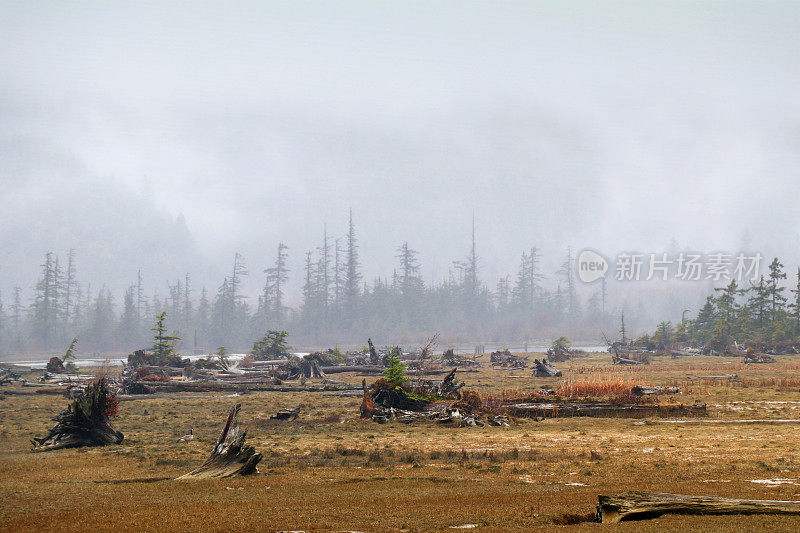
point(231, 456)
point(85, 422)
point(544, 369)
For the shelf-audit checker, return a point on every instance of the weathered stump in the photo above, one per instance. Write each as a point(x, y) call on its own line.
point(231, 456)
point(85, 422)
point(544, 369)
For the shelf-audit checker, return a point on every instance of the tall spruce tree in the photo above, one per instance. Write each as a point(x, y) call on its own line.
point(278, 276)
point(352, 274)
point(795, 305)
point(45, 305)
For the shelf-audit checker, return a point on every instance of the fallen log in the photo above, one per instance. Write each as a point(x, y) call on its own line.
point(729, 377)
point(168, 370)
point(681, 353)
point(250, 374)
point(20, 369)
point(48, 378)
point(607, 410)
point(619, 360)
point(269, 362)
point(61, 391)
point(706, 421)
point(643, 505)
point(85, 421)
point(231, 456)
point(361, 369)
point(232, 386)
point(646, 390)
point(152, 396)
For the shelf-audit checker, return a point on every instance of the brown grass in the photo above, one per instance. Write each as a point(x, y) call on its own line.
point(331, 471)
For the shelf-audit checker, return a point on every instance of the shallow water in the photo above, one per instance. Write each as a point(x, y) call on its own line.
point(88, 362)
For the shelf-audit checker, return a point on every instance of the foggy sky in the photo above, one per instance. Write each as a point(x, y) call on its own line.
point(616, 126)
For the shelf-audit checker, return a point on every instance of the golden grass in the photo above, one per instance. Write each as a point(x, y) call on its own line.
point(331, 471)
point(601, 384)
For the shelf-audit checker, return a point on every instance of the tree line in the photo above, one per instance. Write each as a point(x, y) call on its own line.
point(761, 313)
point(337, 305)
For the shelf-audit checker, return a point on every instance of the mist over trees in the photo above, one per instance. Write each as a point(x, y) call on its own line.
point(337, 305)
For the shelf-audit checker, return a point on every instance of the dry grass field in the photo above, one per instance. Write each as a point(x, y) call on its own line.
point(330, 471)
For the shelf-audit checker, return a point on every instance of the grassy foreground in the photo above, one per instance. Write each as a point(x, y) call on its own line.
point(330, 471)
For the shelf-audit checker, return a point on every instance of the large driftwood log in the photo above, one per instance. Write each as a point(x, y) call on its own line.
point(360, 369)
point(60, 391)
point(619, 360)
point(639, 505)
point(234, 386)
point(231, 456)
point(605, 410)
point(85, 422)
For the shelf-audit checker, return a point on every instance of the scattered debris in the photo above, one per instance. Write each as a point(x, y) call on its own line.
point(231, 456)
point(85, 422)
point(497, 420)
point(753, 357)
point(506, 359)
point(449, 358)
point(627, 354)
point(7, 376)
